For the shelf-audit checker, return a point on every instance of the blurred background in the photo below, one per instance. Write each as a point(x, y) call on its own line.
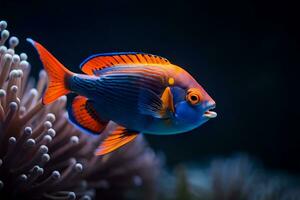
point(244, 53)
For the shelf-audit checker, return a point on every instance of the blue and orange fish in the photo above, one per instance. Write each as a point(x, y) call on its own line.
point(141, 93)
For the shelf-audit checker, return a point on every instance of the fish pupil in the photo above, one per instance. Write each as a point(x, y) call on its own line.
point(194, 98)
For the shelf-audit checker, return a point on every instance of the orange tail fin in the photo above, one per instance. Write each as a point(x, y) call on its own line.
point(58, 74)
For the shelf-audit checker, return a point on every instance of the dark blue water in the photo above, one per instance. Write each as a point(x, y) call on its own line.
point(245, 54)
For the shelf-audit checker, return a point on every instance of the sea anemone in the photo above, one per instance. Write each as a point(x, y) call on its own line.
point(42, 156)
point(235, 178)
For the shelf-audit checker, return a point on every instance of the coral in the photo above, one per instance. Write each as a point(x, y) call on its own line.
point(237, 178)
point(42, 156)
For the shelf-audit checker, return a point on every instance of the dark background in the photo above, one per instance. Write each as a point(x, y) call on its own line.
point(244, 53)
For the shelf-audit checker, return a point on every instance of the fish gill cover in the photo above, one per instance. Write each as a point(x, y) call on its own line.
point(42, 156)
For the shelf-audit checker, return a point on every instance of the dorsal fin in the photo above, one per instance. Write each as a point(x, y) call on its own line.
point(100, 61)
point(83, 114)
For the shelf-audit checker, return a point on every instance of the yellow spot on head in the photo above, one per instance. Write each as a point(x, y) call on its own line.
point(171, 81)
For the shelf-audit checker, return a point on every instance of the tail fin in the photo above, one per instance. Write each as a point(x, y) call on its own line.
point(58, 74)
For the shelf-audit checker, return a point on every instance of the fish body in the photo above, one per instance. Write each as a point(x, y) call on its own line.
point(137, 91)
point(117, 93)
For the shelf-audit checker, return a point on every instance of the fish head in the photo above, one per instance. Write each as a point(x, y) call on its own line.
point(193, 106)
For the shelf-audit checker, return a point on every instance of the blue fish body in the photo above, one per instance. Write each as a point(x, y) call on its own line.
point(138, 92)
point(117, 93)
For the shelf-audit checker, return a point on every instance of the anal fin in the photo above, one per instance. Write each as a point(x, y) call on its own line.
point(83, 114)
point(118, 138)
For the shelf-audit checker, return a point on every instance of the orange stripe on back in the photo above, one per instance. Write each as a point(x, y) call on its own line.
point(141, 58)
point(127, 59)
point(101, 61)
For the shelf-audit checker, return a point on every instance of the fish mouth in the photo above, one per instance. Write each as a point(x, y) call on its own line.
point(210, 114)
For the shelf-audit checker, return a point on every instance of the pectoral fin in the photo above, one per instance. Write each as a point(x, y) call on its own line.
point(152, 104)
point(119, 137)
point(167, 99)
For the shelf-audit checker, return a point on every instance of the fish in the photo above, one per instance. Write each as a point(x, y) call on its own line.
point(138, 92)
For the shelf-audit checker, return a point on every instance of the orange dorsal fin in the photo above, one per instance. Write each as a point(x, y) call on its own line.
point(100, 61)
point(119, 137)
point(83, 114)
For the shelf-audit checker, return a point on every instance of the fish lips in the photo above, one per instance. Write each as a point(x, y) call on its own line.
point(210, 114)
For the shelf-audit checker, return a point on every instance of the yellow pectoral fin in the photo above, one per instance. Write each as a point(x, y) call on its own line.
point(155, 105)
point(167, 99)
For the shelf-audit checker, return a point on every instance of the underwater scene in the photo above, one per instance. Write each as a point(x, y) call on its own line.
point(149, 100)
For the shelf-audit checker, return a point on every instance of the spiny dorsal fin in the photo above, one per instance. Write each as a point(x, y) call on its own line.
point(100, 61)
point(83, 114)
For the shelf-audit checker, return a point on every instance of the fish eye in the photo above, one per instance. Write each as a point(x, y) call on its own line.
point(193, 96)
